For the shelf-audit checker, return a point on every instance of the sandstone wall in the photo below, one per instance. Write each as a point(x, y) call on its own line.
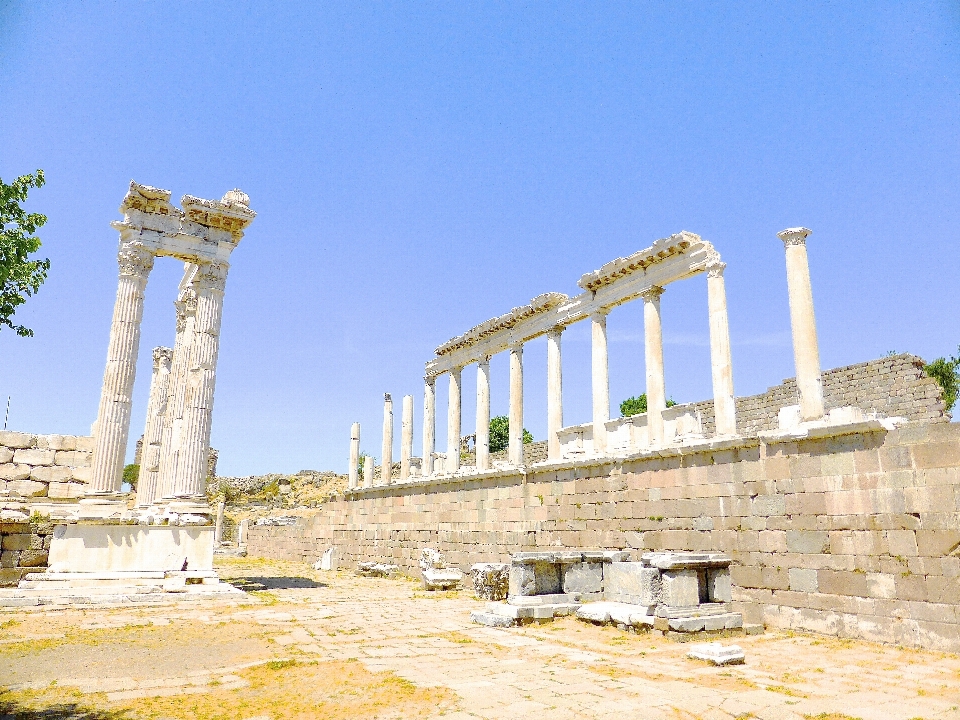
point(24, 546)
point(54, 466)
point(855, 535)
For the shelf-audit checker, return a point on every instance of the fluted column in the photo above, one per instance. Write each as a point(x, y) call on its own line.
point(353, 470)
point(386, 450)
point(721, 366)
point(406, 437)
point(653, 354)
point(113, 415)
point(153, 432)
point(601, 380)
point(483, 414)
point(806, 352)
point(453, 422)
point(201, 380)
point(554, 394)
point(172, 434)
point(429, 423)
point(368, 471)
point(515, 451)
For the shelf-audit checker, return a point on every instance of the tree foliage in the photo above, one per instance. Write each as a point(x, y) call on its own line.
point(946, 371)
point(637, 405)
point(131, 473)
point(500, 433)
point(20, 277)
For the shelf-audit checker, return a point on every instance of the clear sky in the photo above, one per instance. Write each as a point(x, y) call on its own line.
point(421, 167)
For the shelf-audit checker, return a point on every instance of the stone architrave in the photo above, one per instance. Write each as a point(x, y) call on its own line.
point(386, 456)
point(429, 423)
point(483, 415)
point(353, 470)
point(601, 380)
point(153, 433)
point(554, 394)
point(721, 365)
point(806, 351)
point(113, 416)
point(453, 422)
point(515, 450)
point(653, 354)
point(406, 436)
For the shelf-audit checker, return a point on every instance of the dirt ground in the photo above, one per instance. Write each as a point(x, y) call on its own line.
point(306, 644)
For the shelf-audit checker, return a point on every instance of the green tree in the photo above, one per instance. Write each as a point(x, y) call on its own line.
point(131, 473)
point(637, 405)
point(946, 371)
point(500, 433)
point(20, 277)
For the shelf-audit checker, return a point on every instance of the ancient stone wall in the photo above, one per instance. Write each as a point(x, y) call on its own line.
point(24, 546)
point(856, 535)
point(54, 466)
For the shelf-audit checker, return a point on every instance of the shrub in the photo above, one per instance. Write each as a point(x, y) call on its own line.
point(637, 405)
point(946, 371)
point(500, 433)
point(131, 474)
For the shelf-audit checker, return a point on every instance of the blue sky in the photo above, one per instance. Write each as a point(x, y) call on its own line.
point(420, 167)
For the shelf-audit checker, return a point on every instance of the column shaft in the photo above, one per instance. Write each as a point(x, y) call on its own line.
point(429, 424)
point(113, 416)
point(368, 471)
point(386, 450)
point(554, 394)
point(406, 436)
point(483, 414)
point(516, 406)
point(653, 354)
point(153, 432)
point(721, 366)
point(453, 422)
point(601, 380)
point(806, 352)
point(353, 471)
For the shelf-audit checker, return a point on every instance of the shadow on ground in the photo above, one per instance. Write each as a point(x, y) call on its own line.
point(273, 583)
point(12, 710)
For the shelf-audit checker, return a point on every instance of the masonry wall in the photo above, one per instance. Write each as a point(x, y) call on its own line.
point(24, 546)
point(856, 535)
point(53, 466)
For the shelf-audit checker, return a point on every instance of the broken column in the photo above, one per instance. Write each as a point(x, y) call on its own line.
point(601, 380)
point(368, 471)
point(353, 470)
point(483, 414)
point(653, 354)
point(515, 451)
point(153, 432)
point(721, 366)
point(453, 422)
point(406, 436)
point(386, 455)
point(429, 424)
point(806, 352)
point(554, 394)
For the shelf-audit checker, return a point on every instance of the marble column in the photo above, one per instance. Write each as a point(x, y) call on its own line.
point(113, 415)
point(806, 352)
point(189, 483)
point(153, 432)
point(453, 422)
point(554, 394)
point(353, 471)
point(406, 437)
point(386, 450)
point(601, 380)
point(483, 414)
point(515, 451)
point(368, 471)
point(653, 354)
point(721, 366)
point(218, 527)
point(429, 424)
point(172, 435)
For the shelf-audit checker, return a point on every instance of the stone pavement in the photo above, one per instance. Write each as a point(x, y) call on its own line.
point(564, 669)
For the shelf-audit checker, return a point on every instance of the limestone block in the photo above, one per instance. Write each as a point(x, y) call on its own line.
point(803, 580)
point(82, 474)
point(73, 458)
point(807, 542)
point(10, 559)
point(717, 653)
point(583, 577)
point(66, 490)
point(9, 471)
point(719, 585)
point(937, 543)
point(34, 456)
point(881, 585)
point(57, 442)
point(16, 439)
point(20, 541)
point(632, 583)
point(491, 581)
point(534, 578)
point(679, 588)
point(27, 488)
point(33, 558)
point(491, 619)
point(441, 578)
point(50, 473)
point(85, 444)
point(6, 455)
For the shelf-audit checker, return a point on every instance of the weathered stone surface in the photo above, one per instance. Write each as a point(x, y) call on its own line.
point(6, 455)
point(491, 581)
point(12, 439)
point(329, 560)
point(491, 619)
point(534, 578)
point(441, 578)
point(680, 588)
point(72, 458)
point(720, 589)
point(27, 488)
point(632, 583)
point(583, 577)
point(66, 490)
point(49, 474)
point(33, 558)
point(34, 456)
point(10, 471)
point(717, 653)
point(803, 580)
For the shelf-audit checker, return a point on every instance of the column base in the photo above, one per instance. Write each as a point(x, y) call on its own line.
point(107, 506)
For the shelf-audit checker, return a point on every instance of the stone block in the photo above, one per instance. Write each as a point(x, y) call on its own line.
point(10, 471)
point(837, 582)
point(82, 474)
point(50, 473)
point(66, 490)
point(937, 543)
point(491, 581)
point(33, 558)
point(902, 543)
point(807, 542)
point(679, 588)
point(583, 577)
point(803, 580)
point(72, 458)
point(767, 505)
point(9, 558)
point(534, 578)
point(12, 439)
point(934, 455)
point(631, 583)
point(881, 585)
point(719, 585)
point(491, 619)
point(85, 444)
point(6, 455)
point(27, 488)
point(34, 456)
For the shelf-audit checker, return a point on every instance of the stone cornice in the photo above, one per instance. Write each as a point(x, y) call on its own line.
point(660, 251)
point(230, 213)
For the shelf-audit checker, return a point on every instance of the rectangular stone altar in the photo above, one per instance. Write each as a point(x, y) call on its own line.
point(131, 548)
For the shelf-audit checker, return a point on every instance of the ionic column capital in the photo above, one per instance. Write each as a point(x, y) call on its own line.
point(652, 293)
point(134, 260)
point(794, 236)
point(716, 270)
